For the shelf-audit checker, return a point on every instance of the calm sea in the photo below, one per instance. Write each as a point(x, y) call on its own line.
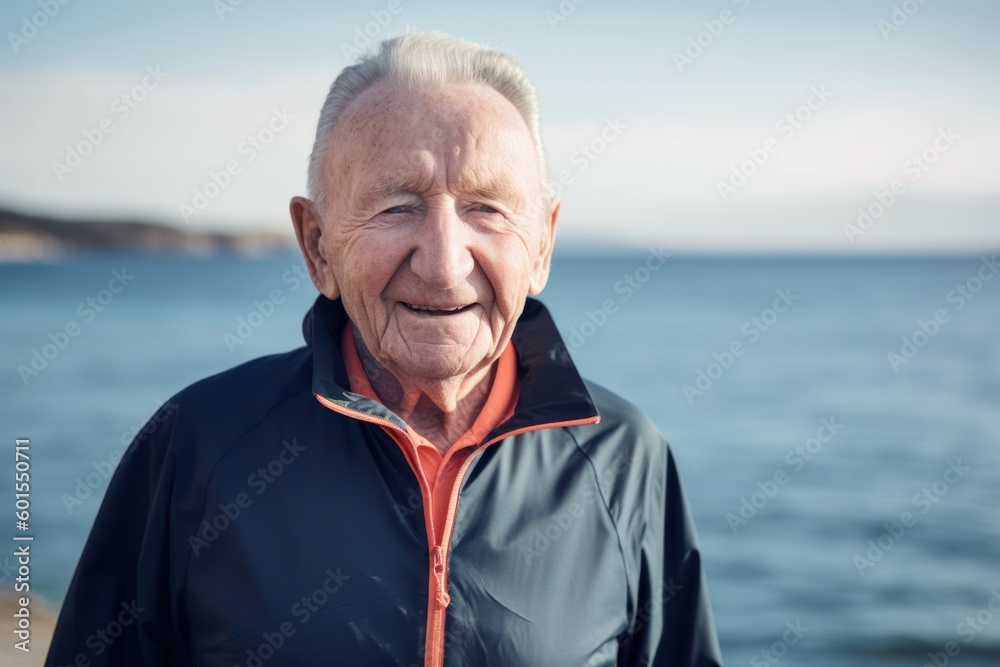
point(836, 421)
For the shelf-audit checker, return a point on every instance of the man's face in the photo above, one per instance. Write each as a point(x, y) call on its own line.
point(435, 227)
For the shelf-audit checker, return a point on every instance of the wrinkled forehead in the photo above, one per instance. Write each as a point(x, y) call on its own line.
point(461, 133)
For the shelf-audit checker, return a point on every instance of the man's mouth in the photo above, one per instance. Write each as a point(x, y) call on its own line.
point(436, 310)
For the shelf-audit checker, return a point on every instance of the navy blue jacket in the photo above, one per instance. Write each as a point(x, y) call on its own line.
point(265, 517)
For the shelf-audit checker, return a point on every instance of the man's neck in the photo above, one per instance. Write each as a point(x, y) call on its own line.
point(440, 411)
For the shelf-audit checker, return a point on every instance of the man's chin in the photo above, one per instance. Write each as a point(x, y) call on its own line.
point(429, 370)
point(436, 362)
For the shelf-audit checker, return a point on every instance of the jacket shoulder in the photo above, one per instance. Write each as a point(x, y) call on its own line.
point(210, 415)
point(254, 384)
point(629, 454)
point(622, 423)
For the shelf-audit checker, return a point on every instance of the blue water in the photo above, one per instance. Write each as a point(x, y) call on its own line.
point(789, 559)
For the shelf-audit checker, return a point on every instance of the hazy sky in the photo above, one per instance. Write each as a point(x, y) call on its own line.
point(819, 107)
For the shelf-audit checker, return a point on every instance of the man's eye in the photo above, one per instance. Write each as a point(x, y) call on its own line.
point(483, 208)
point(395, 209)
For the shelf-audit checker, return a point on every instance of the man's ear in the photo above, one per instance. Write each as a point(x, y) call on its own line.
point(309, 232)
point(543, 262)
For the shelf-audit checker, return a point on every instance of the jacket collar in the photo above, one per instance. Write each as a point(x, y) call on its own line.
point(552, 391)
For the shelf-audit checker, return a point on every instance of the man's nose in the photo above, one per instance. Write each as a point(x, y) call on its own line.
point(443, 258)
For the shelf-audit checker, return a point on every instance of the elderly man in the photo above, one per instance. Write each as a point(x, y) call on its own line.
point(429, 481)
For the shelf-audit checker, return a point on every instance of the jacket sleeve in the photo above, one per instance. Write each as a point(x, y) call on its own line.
point(117, 609)
point(672, 625)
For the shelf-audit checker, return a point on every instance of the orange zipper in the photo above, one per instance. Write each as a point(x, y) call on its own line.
point(435, 640)
point(437, 578)
point(438, 598)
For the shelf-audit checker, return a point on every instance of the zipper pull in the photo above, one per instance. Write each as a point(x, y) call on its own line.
point(438, 558)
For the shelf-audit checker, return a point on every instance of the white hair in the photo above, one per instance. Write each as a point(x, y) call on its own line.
point(422, 60)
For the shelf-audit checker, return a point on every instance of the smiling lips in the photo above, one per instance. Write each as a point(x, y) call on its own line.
point(436, 310)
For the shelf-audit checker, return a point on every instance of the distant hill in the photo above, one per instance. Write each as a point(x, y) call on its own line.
point(29, 237)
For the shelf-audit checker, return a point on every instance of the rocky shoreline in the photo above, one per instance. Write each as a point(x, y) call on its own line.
point(26, 237)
